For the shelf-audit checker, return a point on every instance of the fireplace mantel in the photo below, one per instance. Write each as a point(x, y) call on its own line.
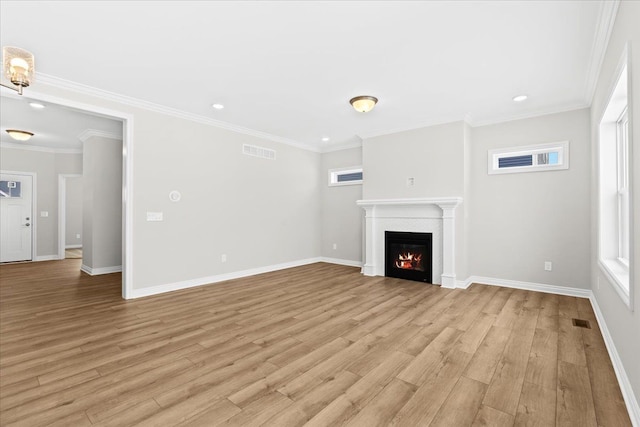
point(435, 215)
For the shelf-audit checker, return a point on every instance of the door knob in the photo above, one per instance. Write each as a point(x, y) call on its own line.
point(27, 224)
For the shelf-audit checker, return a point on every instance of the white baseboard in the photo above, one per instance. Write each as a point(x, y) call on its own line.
point(623, 380)
point(73, 246)
point(169, 287)
point(101, 270)
point(347, 262)
point(46, 258)
point(527, 286)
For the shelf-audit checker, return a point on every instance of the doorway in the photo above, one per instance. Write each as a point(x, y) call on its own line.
point(16, 217)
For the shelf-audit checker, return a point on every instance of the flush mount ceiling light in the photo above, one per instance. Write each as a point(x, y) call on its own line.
point(363, 104)
point(325, 139)
point(18, 65)
point(36, 105)
point(218, 106)
point(19, 135)
point(520, 98)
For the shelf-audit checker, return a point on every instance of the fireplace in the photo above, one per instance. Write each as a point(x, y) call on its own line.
point(408, 255)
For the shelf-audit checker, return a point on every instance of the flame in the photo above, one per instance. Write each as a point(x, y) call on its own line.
point(409, 261)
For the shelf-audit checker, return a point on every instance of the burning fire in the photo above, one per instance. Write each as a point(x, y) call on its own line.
point(409, 261)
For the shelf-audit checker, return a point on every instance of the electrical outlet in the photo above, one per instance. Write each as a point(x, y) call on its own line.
point(335, 246)
point(410, 182)
point(77, 236)
point(44, 214)
point(548, 266)
point(223, 258)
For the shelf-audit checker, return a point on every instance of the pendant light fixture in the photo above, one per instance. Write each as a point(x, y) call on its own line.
point(363, 104)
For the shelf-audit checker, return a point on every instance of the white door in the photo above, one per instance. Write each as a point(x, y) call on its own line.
point(16, 217)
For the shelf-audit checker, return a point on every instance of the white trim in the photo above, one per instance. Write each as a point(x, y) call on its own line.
point(449, 202)
point(623, 380)
point(73, 246)
point(527, 286)
point(34, 208)
point(608, 13)
point(127, 177)
point(46, 258)
point(185, 284)
point(14, 146)
point(150, 106)
point(62, 212)
point(101, 270)
point(615, 278)
point(340, 147)
point(347, 262)
point(90, 133)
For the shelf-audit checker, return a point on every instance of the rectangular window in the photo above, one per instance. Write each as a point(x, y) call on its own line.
point(622, 154)
point(614, 189)
point(10, 189)
point(345, 176)
point(531, 158)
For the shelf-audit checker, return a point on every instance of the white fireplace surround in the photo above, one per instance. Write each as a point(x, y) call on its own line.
point(429, 215)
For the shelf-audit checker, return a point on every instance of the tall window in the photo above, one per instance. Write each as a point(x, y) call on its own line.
point(622, 148)
point(614, 213)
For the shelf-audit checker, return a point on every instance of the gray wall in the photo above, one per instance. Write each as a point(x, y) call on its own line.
point(102, 203)
point(47, 166)
point(73, 212)
point(435, 157)
point(520, 220)
point(623, 323)
point(342, 219)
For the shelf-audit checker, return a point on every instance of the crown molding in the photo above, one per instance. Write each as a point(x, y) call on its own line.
point(14, 146)
point(64, 84)
point(340, 147)
point(90, 133)
point(607, 17)
point(530, 114)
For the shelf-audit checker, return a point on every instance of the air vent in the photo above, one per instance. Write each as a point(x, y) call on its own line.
point(581, 323)
point(255, 151)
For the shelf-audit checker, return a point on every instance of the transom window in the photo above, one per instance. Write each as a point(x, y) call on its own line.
point(531, 158)
point(345, 176)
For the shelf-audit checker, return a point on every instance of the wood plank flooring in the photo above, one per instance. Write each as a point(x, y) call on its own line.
point(319, 345)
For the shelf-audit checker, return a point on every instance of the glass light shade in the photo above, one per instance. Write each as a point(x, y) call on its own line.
point(19, 135)
point(364, 104)
point(18, 65)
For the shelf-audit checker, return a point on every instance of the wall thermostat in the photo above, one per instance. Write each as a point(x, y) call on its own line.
point(175, 196)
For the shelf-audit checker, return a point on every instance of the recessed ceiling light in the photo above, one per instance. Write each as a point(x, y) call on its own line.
point(36, 105)
point(218, 106)
point(325, 138)
point(520, 98)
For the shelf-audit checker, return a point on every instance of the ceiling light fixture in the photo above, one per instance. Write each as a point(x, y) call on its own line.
point(363, 104)
point(18, 65)
point(218, 106)
point(520, 98)
point(325, 139)
point(36, 105)
point(19, 135)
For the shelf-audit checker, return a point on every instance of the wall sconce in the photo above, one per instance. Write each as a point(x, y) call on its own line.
point(18, 65)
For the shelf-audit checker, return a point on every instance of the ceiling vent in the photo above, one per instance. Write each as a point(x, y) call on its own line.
point(254, 150)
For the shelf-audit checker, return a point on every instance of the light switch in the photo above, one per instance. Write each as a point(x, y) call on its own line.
point(44, 214)
point(154, 216)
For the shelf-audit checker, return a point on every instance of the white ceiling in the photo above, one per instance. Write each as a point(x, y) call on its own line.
point(288, 69)
point(54, 127)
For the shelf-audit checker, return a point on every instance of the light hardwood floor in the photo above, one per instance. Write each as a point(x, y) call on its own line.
point(319, 344)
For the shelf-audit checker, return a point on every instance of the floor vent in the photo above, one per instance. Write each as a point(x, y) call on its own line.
point(254, 150)
point(581, 323)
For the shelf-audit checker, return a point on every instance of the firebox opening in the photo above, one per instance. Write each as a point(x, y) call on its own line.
point(408, 255)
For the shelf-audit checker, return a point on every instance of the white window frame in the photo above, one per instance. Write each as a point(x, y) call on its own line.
point(561, 147)
point(615, 219)
point(335, 173)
